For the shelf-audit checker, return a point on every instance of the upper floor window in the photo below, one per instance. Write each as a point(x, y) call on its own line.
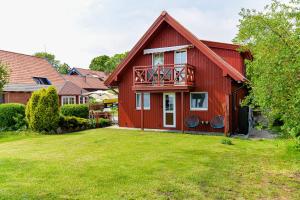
point(41, 81)
point(198, 101)
point(180, 57)
point(157, 59)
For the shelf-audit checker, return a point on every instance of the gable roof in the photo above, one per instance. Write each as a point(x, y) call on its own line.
point(88, 72)
point(86, 82)
point(24, 67)
point(165, 17)
point(69, 88)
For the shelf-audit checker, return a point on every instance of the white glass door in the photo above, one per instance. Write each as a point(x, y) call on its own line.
point(169, 110)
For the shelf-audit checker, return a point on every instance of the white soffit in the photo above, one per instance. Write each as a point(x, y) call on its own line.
point(166, 49)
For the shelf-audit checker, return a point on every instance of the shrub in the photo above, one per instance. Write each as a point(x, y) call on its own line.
point(104, 122)
point(77, 110)
point(9, 113)
point(227, 141)
point(71, 123)
point(42, 111)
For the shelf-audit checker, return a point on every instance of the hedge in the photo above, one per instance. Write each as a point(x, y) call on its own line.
point(76, 110)
point(9, 113)
point(71, 123)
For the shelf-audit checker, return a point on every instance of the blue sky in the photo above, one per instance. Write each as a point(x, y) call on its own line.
point(78, 30)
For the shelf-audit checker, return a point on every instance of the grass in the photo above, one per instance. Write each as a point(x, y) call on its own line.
point(123, 164)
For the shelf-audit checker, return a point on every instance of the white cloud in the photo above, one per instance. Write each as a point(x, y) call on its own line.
point(78, 30)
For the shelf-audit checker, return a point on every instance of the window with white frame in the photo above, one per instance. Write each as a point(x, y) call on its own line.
point(198, 101)
point(138, 101)
point(68, 100)
point(83, 99)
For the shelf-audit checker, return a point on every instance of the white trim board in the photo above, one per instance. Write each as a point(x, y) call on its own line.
point(166, 49)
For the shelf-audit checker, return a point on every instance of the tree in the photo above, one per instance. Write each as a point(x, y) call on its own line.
point(49, 57)
point(272, 37)
point(106, 63)
point(99, 63)
point(4, 75)
point(61, 68)
point(42, 110)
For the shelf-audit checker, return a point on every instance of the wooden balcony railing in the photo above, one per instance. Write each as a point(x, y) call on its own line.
point(164, 75)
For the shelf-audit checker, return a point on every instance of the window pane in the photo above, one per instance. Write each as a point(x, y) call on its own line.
point(169, 101)
point(199, 100)
point(65, 100)
point(71, 100)
point(147, 100)
point(138, 100)
point(158, 59)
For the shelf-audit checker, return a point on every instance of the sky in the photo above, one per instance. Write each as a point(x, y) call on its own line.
point(76, 31)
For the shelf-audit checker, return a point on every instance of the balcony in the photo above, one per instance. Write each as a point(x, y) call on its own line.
point(171, 77)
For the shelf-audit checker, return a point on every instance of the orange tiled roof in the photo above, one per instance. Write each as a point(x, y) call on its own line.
point(86, 82)
point(88, 72)
point(23, 67)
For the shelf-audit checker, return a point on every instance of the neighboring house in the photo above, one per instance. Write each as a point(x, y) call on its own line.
point(89, 73)
point(29, 73)
point(179, 76)
point(88, 83)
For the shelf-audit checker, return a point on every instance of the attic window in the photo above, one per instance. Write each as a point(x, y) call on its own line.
point(41, 81)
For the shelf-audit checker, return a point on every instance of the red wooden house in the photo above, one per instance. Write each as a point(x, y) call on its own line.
point(171, 75)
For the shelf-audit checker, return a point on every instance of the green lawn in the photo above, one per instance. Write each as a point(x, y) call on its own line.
point(123, 164)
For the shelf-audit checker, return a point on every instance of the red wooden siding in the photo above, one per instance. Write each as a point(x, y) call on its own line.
point(208, 76)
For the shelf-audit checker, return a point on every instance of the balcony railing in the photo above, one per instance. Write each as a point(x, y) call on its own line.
point(164, 75)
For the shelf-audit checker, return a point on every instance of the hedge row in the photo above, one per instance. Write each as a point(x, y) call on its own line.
point(10, 114)
point(76, 110)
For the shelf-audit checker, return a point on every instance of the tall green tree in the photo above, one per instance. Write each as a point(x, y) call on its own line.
point(4, 75)
point(273, 38)
point(106, 63)
point(61, 68)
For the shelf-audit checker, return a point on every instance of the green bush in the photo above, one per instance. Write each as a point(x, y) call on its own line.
point(76, 110)
point(42, 110)
point(9, 115)
point(227, 141)
point(71, 123)
point(104, 122)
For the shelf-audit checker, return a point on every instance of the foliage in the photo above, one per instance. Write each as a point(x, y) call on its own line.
point(42, 111)
point(77, 110)
point(64, 68)
point(31, 108)
point(106, 63)
point(10, 116)
point(272, 37)
point(226, 141)
point(4, 75)
point(20, 122)
point(61, 68)
point(72, 123)
point(49, 57)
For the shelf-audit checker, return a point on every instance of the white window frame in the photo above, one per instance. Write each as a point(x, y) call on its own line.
point(177, 51)
point(85, 99)
point(140, 95)
point(68, 97)
point(163, 57)
point(173, 112)
point(198, 109)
